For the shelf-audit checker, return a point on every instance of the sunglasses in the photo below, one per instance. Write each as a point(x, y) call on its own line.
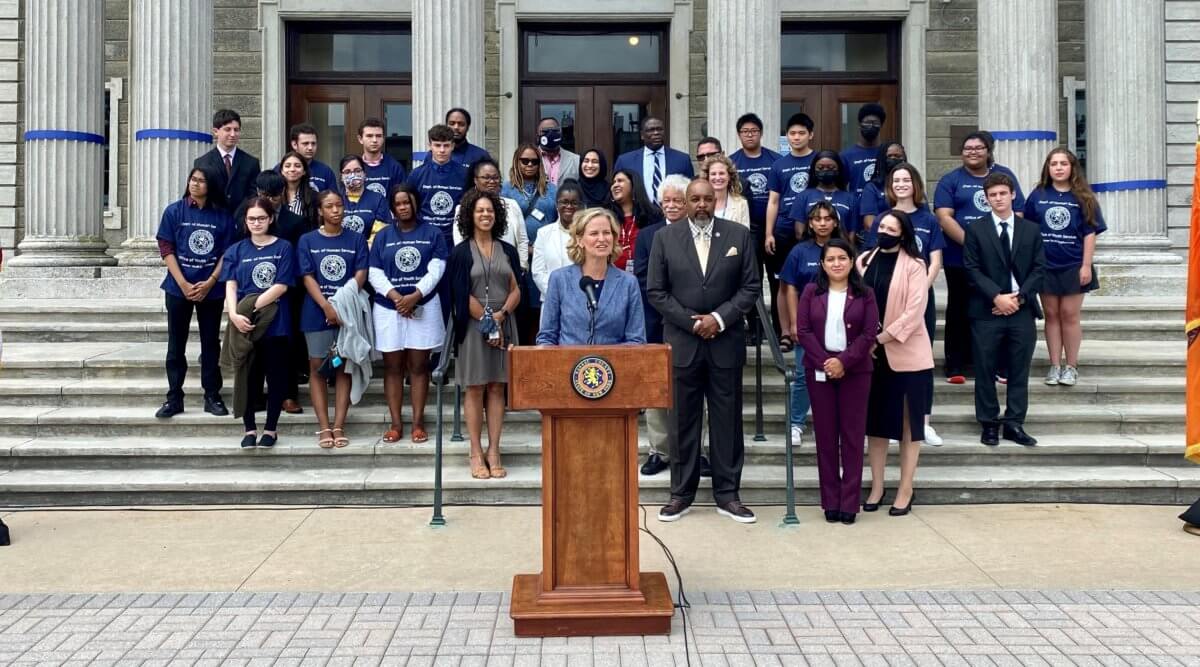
point(701, 157)
point(529, 161)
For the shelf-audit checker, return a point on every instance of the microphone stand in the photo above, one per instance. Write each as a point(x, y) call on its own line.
point(591, 324)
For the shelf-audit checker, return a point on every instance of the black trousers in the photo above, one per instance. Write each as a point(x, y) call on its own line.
point(722, 387)
point(1009, 341)
point(272, 358)
point(774, 264)
point(958, 325)
point(298, 348)
point(179, 322)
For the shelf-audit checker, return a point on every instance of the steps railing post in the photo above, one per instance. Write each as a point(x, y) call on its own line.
point(789, 515)
point(457, 436)
point(438, 518)
point(759, 436)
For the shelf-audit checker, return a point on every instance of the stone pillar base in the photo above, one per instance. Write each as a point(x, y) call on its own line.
point(1137, 265)
point(139, 252)
point(62, 251)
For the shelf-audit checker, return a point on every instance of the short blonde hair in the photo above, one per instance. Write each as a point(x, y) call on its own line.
point(575, 249)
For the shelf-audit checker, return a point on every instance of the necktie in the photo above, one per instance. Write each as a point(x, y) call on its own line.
point(228, 164)
point(703, 243)
point(1004, 243)
point(657, 176)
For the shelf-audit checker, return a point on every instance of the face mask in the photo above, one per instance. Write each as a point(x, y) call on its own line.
point(892, 162)
point(551, 140)
point(888, 241)
point(869, 132)
point(826, 176)
point(353, 181)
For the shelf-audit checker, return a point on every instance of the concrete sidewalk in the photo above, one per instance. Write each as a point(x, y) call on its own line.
point(371, 550)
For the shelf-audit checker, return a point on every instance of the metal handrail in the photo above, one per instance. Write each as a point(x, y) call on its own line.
point(439, 380)
point(789, 377)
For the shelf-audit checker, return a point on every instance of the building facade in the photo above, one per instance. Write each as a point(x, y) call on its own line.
point(103, 105)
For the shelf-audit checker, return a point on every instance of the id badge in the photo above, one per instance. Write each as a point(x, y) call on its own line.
point(820, 375)
point(538, 215)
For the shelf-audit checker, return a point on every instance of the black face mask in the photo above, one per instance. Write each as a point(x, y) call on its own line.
point(887, 241)
point(826, 176)
point(892, 162)
point(869, 132)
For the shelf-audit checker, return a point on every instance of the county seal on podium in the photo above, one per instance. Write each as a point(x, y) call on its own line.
point(592, 377)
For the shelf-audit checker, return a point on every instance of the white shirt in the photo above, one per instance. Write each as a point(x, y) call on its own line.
point(549, 254)
point(996, 221)
point(648, 158)
point(514, 234)
point(697, 233)
point(232, 153)
point(835, 322)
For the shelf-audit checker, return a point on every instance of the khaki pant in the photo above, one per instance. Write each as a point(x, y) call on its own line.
point(657, 430)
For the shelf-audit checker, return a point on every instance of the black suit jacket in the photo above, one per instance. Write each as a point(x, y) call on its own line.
point(240, 184)
point(988, 272)
point(678, 289)
point(641, 270)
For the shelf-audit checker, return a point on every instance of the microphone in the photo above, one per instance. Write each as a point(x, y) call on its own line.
point(589, 287)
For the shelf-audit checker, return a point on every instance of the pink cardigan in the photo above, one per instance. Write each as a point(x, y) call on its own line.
point(908, 348)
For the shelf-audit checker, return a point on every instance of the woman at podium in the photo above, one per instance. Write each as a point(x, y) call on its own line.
point(591, 301)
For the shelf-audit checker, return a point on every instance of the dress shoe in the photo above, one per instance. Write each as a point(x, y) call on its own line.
point(832, 516)
point(901, 511)
point(291, 407)
point(169, 409)
point(874, 507)
point(654, 464)
point(1019, 436)
point(705, 467)
point(848, 518)
point(674, 510)
point(213, 405)
point(990, 436)
point(735, 510)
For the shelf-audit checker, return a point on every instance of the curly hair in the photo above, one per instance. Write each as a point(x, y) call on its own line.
point(466, 214)
point(575, 249)
point(735, 182)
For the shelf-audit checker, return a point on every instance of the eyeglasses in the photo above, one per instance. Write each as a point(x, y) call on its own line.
point(257, 218)
point(529, 161)
point(353, 172)
point(749, 131)
point(974, 149)
point(490, 178)
point(701, 157)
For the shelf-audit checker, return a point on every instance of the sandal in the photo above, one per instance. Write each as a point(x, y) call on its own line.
point(342, 441)
point(786, 344)
point(478, 469)
point(394, 433)
point(325, 443)
point(418, 434)
point(497, 470)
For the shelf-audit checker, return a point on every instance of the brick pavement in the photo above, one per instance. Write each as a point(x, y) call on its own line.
point(736, 628)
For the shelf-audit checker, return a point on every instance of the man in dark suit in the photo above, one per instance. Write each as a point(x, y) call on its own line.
point(237, 166)
point(702, 281)
point(654, 161)
point(1005, 265)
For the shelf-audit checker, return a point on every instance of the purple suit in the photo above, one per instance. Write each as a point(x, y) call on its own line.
point(839, 406)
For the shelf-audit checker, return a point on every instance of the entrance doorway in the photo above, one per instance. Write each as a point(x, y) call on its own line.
point(600, 84)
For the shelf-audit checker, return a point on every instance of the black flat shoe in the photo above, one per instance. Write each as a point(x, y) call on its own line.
point(248, 441)
point(267, 440)
point(848, 518)
point(901, 511)
point(213, 405)
point(832, 516)
point(654, 464)
point(874, 507)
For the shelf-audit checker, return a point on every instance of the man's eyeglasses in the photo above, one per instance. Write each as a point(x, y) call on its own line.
point(749, 131)
point(701, 157)
point(974, 149)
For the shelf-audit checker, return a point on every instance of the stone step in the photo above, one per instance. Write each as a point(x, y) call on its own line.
point(103, 422)
point(300, 452)
point(148, 392)
point(761, 484)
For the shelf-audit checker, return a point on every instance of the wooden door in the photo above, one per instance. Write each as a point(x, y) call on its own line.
point(607, 117)
point(839, 112)
point(393, 105)
point(335, 110)
point(796, 99)
point(620, 111)
point(571, 105)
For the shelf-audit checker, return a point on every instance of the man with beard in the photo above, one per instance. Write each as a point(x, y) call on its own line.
point(465, 152)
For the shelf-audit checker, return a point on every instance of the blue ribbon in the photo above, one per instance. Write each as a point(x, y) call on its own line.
point(1024, 135)
point(1121, 186)
point(64, 135)
point(165, 133)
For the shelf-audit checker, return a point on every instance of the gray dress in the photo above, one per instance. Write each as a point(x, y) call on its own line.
point(480, 363)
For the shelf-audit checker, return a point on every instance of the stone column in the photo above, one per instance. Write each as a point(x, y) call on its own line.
point(1018, 82)
point(743, 68)
point(1126, 92)
point(447, 64)
point(64, 137)
point(172, 107)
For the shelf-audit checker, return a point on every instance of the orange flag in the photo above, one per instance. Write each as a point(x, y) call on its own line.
point(1193, 319)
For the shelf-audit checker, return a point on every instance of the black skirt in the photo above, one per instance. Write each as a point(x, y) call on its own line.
point(890, 392)
point(1065, 282)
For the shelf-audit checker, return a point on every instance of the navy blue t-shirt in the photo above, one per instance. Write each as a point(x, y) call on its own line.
point(754, 172)
point(925, 224)
point(441, 188)
point(802, 265)
point(467, 154)
point(362, 215)
point(384, 175)
point(331, 261)
point(404, 258)
point(321, 176)
point(845, 203)
point(860, 166)
point(870, 202)
point(200, 237)
point(257, 269)
point(964, 193)
point(788, 177)
point(1064, 227)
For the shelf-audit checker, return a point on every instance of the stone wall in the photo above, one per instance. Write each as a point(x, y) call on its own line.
point(950, 88)
point(698, 79)
point(491, 87)
point(237, 69)
point(12, 114)
point(1182, 54)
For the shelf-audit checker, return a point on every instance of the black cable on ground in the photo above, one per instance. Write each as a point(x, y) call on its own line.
point(681, 601)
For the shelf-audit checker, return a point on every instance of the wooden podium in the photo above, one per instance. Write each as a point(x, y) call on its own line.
point(589, 397)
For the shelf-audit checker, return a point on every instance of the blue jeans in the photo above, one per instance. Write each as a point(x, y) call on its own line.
point(800, 400)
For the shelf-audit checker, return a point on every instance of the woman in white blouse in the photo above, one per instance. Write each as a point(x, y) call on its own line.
point(720, 173)
point(550, 249)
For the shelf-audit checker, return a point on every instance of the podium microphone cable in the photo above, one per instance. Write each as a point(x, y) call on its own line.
point(681, 601)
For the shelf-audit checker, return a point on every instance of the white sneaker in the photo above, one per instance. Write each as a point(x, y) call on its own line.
point(931, 436)
point(1052, 376)
point(797, 435)
point(1069, 376)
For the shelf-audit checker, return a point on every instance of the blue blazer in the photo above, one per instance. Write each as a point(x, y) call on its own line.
point(676, 162)
point(565, 316)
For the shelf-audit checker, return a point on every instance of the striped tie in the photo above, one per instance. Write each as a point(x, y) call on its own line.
point(657, 177)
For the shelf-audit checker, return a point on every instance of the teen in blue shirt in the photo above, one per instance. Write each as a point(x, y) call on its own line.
point(381, 170)
point(860, 158)
point(827, 182)
point(328, 257)
point(464, 153)
point(1066, 208)
point(440, 183)
point(262, 265)
point(303, 139)
point(753, 164)
point(192, 236)
point(365, 211)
